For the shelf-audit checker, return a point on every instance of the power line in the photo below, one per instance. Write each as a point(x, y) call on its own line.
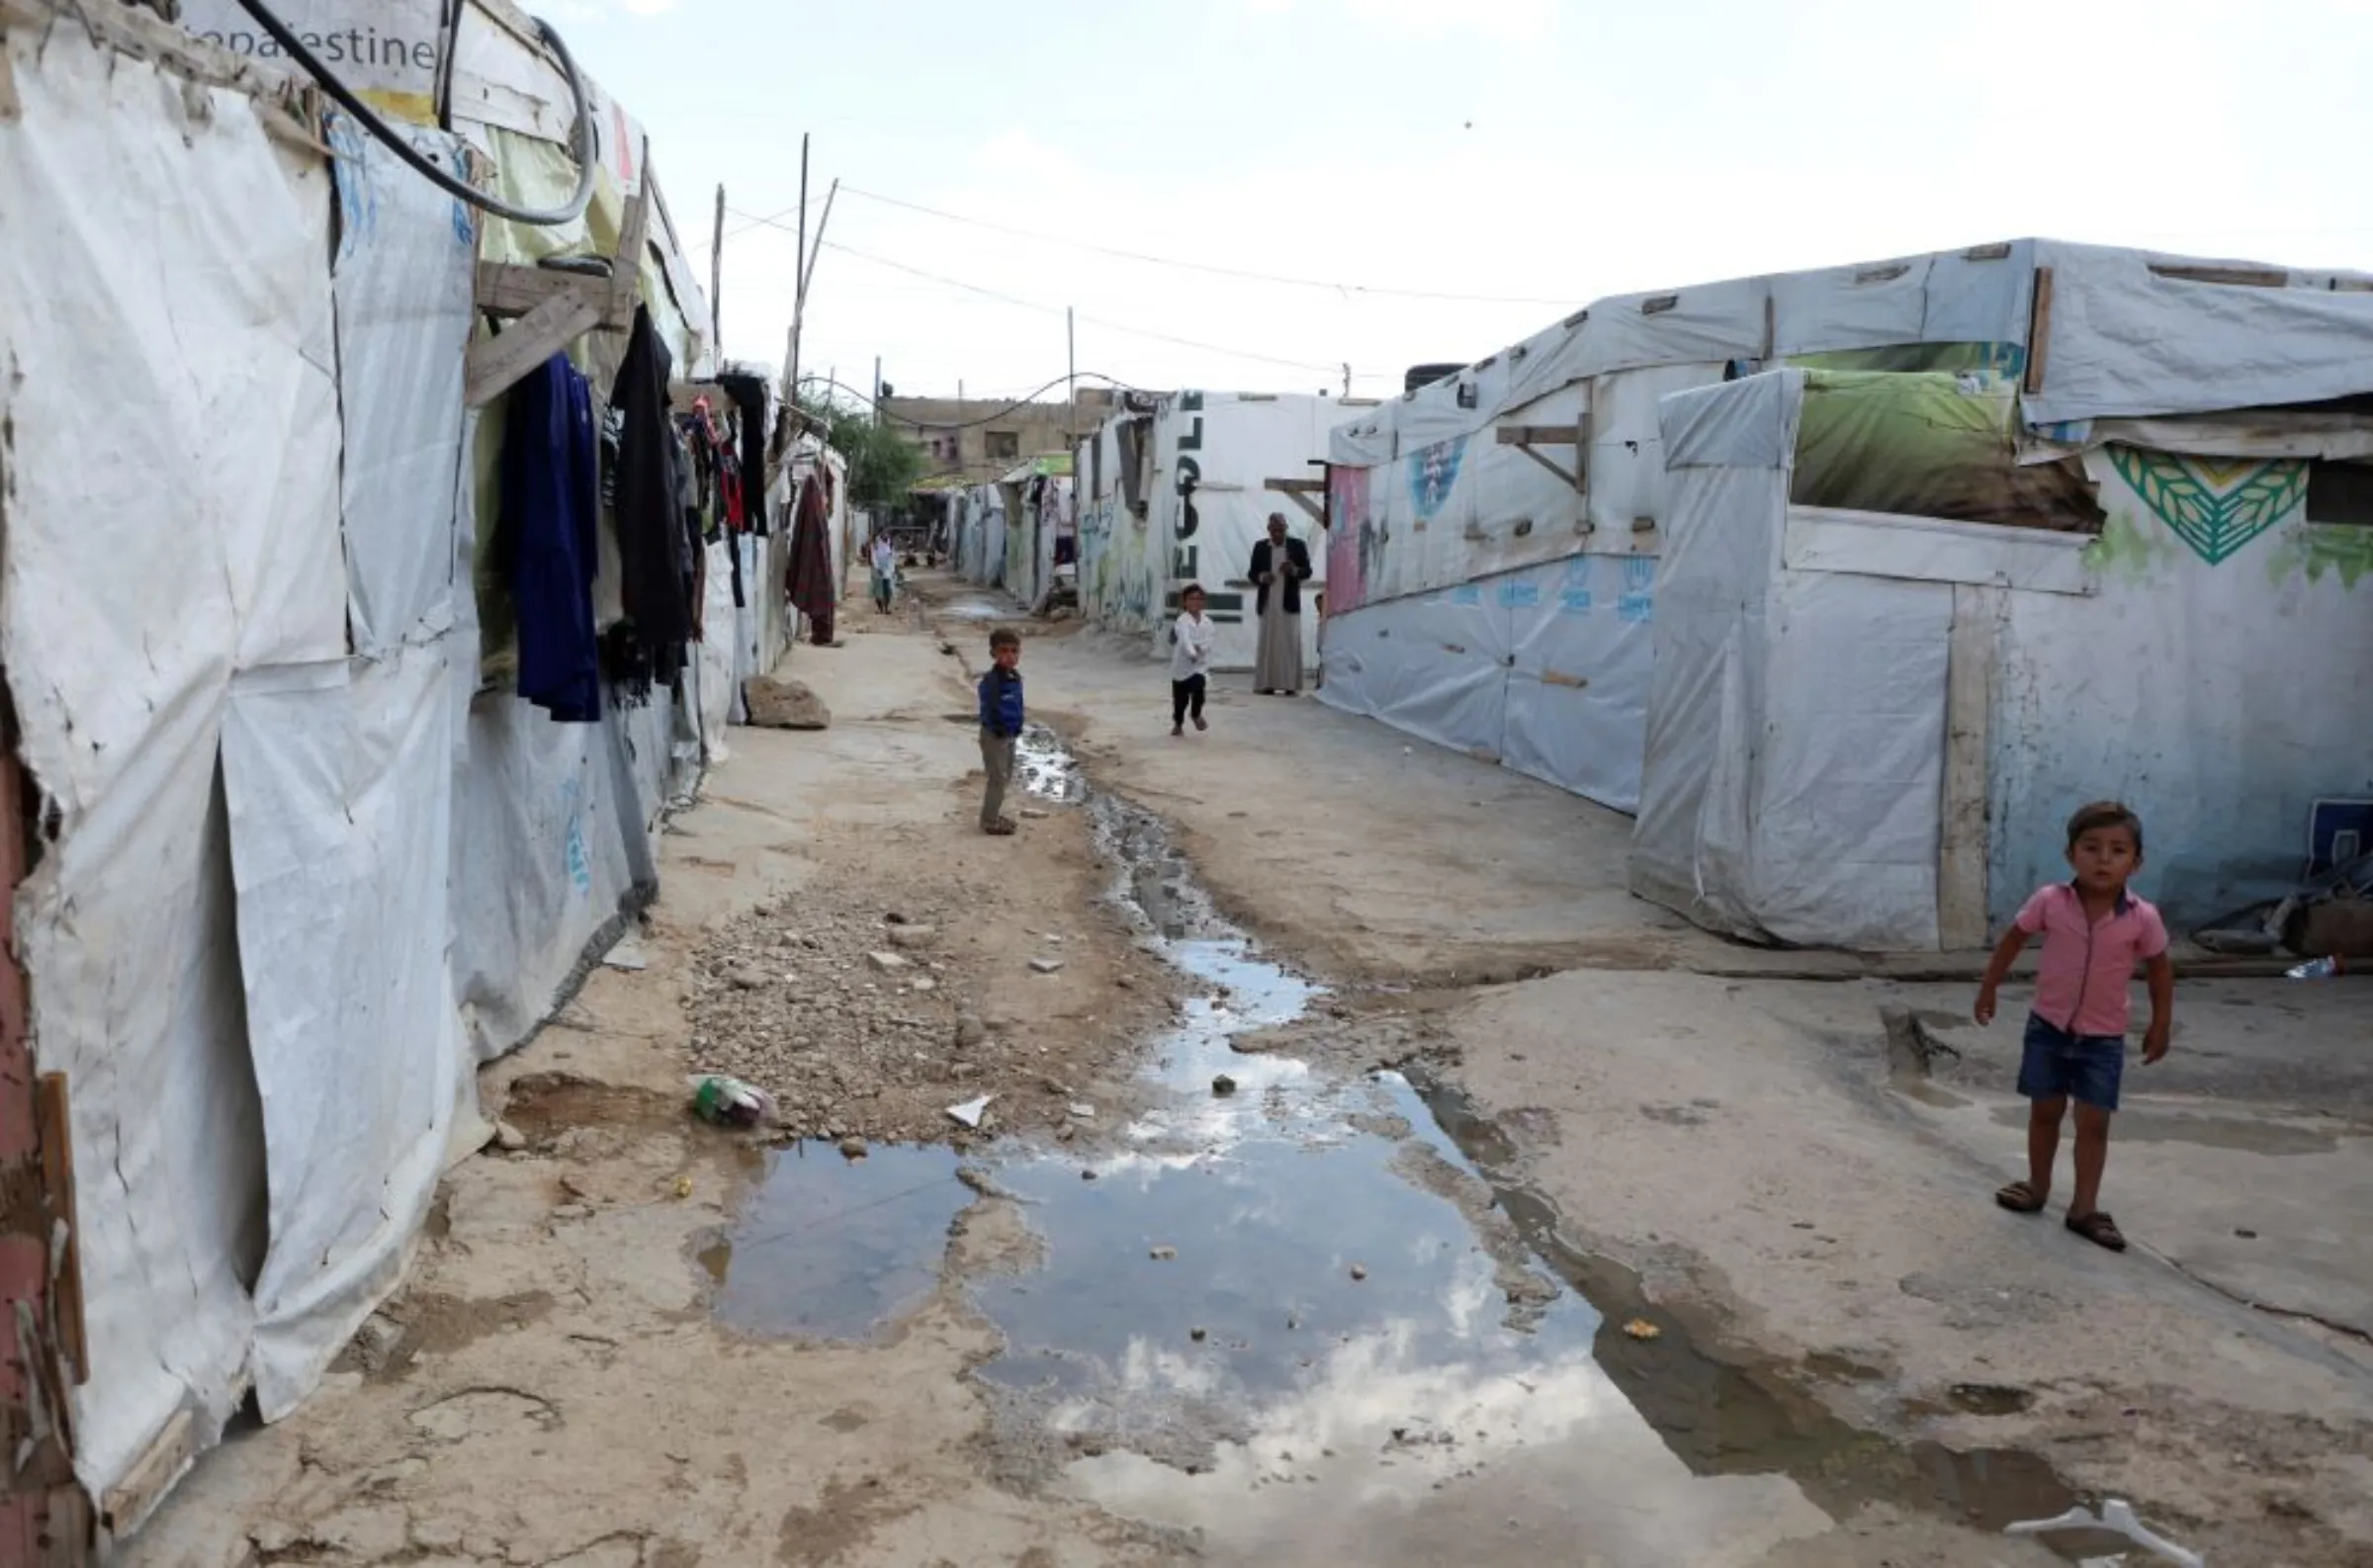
point(1023, 402)
point(1206, 267)
point(1107, 325)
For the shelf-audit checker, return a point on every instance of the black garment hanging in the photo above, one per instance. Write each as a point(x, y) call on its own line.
point(654, 560)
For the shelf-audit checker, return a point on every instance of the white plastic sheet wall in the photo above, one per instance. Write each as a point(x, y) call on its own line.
point(1231, 445)
point(1544, 669)
point(150, 557)
point(289, 886)
point(1796, 731)
point(2213, 683)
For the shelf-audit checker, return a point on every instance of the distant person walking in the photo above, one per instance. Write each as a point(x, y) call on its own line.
point(885, 573)
point(1190, 640)
point(1279, 565)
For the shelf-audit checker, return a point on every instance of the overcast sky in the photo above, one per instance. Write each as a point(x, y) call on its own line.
point(1528, 155)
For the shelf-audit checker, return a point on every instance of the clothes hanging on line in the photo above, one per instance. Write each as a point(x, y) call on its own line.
point(547, 538)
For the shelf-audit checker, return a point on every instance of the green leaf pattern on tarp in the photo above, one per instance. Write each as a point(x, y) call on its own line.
point(2214, 507)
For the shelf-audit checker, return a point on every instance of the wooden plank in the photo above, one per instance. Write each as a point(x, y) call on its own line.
point(1296, 487)
point(625, 266)
point(1961, 847)
point(498, 364)
point(2038, 332)
point(1541, 435)
point(51, 1115)
point(152, 1474)
point(2233, 277)
point(505, 288)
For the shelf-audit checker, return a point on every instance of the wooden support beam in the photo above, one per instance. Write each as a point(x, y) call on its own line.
point(1963, 814)
point(56, 1128)
point(2038, 332)
point(626, 264)
point(1525, 438)
point(2234, 277)
point(498, 364)
point(508, 290)
point(561, 306)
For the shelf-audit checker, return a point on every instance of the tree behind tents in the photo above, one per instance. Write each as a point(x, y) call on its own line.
point(883, 465)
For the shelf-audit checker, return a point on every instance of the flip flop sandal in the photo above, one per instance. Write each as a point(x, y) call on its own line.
point(2099, 1229)
point(2020, 1199)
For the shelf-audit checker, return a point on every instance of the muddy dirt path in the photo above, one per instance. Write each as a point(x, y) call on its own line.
point(1206, 1284)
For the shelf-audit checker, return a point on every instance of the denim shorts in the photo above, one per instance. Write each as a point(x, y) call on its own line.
point(2081, 1067)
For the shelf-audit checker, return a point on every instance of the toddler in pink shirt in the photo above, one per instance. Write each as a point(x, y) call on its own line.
point(2095, 934)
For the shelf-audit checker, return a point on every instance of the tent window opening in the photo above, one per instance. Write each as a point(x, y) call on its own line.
point(2339, 493)
point(1930, 444)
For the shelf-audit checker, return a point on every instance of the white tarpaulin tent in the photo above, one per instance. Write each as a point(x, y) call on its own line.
point(1551, 448)
point(1204, 497)
point(303, 863)
point(1866, 729)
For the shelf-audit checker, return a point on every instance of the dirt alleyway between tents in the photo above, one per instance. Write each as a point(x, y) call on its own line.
point(1139, 1321)
point(547, 1387)
point(1724, 1121)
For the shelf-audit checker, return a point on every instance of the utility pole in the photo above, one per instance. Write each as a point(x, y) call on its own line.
point(717, 277)
point(799, 275)
point(1071, 373)
point(1347, 378)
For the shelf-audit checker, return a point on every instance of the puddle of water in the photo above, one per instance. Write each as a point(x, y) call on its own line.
point(1047, 768)
point(833, 1249)
point(1263, 1319)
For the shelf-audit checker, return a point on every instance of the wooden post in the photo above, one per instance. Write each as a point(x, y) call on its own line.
point(2038, 332)
point(717, 277)
point(1962, 814)
point(45, 1517)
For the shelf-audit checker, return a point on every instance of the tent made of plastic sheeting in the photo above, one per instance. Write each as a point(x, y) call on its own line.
point(301, 865)
point(1032, 499)
point(1454, 496)
point(1867, 728)
point(1181, 492)
point(983, 553)
point(1496, 668)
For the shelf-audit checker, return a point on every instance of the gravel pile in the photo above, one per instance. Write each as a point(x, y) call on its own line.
point(849, 1011)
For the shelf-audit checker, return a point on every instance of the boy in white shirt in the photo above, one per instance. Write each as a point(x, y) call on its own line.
point(1191, 642)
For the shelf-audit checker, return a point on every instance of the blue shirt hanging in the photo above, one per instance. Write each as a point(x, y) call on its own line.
point(550, 540)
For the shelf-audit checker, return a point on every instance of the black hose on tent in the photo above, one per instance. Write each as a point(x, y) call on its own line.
point(580, 141)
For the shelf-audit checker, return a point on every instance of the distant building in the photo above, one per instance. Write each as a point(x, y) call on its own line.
point(977, 439)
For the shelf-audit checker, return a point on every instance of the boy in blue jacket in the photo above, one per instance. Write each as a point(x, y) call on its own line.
point(1001, 725)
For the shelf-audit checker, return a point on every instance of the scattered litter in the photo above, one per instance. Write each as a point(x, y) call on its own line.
point(1087, 1175)
point(1198, 1333)
point(1224, 1086)
point(729, 1102)
point(1164, 1254)
point(627, 955)
point(683, 1186)
point(1642, 1329)
point(1046, 966)
point(2317, 969)
point(1359, 1271)
point(1082, 1111)
point(972, 1110)
point(2117, 1518)
point(1033, 814)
